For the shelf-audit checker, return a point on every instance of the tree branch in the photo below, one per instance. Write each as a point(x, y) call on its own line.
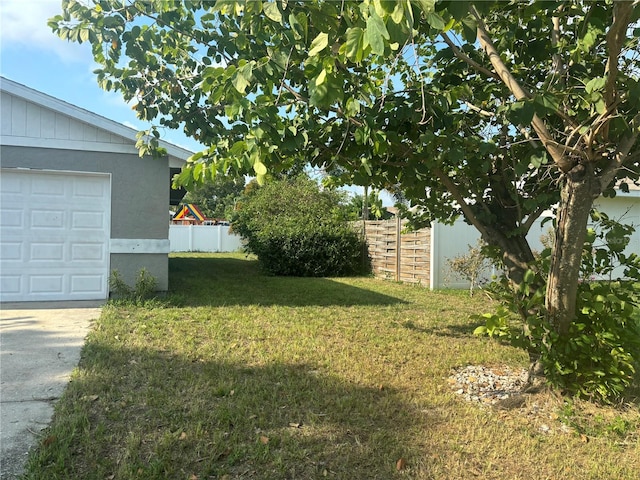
point(616, 37)
point(558, 64)
point(556, 150)
point(621, 155)
point(465, 58)
point(532, 218)
point(464, 206)
point(479, 110)
point(335, 110)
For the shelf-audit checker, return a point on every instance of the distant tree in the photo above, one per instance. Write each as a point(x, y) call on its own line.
point(373, 204)
point(217, 197)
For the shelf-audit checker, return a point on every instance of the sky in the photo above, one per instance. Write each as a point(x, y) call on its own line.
point(31, 54)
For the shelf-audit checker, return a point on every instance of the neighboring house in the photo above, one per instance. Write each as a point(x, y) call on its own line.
point(77, 201)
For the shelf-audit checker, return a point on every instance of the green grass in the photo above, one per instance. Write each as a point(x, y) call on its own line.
point(254, 377)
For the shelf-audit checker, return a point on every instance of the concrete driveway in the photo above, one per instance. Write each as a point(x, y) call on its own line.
point(40, 346)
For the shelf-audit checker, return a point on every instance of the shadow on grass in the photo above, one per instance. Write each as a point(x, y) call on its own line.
point(454, 330)
point(144, 414)
point(231, 281)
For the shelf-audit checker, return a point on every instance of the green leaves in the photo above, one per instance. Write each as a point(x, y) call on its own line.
point(376, 33)
point(242, 78)
point(319, 44)
point(272, 11)
point(325, 90)
point(355, 44)
point(596, 84)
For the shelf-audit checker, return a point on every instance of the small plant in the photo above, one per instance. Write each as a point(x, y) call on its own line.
point(471, 266)
point(144, 288)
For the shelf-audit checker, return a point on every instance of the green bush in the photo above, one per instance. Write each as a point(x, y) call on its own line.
point(599, 357)
point(295, 229)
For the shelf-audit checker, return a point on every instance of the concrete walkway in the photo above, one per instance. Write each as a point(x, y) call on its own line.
point(40, 346)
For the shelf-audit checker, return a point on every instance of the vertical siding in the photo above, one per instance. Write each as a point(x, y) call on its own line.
point(33, 123)
point(5, 113)
point(21, 118)
point(47, 124)
point(18, 118)
point(62, 127)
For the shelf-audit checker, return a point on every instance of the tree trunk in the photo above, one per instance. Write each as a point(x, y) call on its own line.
point(579, 191)
point(517, 256)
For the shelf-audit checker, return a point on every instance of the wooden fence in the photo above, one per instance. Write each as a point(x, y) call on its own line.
point(403, 257)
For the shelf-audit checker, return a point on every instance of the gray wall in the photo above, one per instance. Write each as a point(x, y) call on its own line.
point(139, 197)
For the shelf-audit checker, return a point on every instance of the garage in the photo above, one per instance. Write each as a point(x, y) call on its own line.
point(54, 235)
point(77, 201)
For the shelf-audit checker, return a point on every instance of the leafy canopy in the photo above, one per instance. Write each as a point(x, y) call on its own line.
point(398, 93)
point(217, 198)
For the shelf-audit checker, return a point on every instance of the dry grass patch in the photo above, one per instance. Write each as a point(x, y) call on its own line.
point(255, 377)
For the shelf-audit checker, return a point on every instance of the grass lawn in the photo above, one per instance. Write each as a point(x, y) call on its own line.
point(242, 376)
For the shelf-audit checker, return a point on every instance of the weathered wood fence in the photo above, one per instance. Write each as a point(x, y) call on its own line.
point(404, 257)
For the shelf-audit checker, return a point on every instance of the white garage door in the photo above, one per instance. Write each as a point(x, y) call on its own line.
point(54, 235)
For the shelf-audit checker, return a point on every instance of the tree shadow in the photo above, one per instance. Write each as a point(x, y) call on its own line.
point(454, 330)
point(198, 281)
point(162, 415)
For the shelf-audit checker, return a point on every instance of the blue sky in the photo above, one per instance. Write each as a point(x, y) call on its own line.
point(34, 56)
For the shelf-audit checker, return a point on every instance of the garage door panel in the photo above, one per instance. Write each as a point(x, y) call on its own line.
point(89, 189)
point(54, 243)
point(88, 252)
point(11, 284)
point(11, 251)
point(46, 284)
point(87, 220)
point(47, 252)
point(48, 186)
point(87, 283)
point(54, 219)
point(10, 218)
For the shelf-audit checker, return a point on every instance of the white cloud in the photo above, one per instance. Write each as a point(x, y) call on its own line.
point(24, 23)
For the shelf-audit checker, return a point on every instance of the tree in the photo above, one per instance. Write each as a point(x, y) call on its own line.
point(373, 204)
point(217, 198)
point(493, 110)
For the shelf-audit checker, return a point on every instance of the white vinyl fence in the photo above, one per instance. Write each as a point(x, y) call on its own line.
point(203, 238)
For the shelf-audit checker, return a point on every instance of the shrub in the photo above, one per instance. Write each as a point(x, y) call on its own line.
point(471, 266)
point(295, 229)
point(599, 357)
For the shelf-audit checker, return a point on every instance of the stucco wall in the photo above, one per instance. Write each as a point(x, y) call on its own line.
point(139, 186)
point(128, 266)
